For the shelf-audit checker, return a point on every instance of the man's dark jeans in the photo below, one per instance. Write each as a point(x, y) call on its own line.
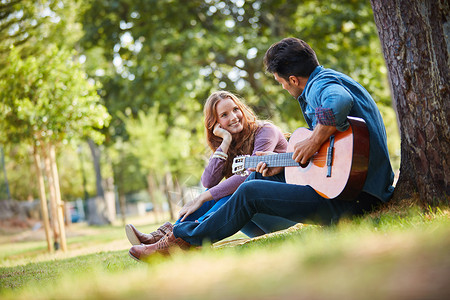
point(270, 196)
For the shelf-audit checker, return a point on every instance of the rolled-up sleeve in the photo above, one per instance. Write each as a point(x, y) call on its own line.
point(336, 104)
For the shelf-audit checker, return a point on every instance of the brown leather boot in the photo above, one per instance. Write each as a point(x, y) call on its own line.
point(136, 237)
point(168, 243)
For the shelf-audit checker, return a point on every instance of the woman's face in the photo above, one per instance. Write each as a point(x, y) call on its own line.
point(229, 116)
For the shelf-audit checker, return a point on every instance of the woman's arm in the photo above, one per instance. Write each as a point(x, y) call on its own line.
point(268, 138)
point(213, 172)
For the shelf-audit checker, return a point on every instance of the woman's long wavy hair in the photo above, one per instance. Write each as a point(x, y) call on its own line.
point(242, 142)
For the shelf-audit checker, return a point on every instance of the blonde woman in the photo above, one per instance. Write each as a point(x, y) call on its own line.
point(232, 129)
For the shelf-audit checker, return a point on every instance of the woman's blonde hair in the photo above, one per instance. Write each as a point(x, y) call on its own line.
point(243, 142)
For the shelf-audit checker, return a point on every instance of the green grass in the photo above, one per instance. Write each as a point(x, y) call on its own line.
point(400, 254)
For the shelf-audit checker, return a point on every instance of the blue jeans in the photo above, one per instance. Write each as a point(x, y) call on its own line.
point(269, 196)
point(259, 225)
point(205, 210)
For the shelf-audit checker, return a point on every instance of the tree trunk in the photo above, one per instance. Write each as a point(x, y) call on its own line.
point(151, 188)
point(180, 191)
point(52, 193)
point(122, 206)
point(43, 198)
point(98, 174)
point(415, 39)
point(120, 188)
point(110, 193)
point(169, 193)
point(98, 212)
point(83, 174)
point(8, 193)
point(67, 214)
point(59, 203)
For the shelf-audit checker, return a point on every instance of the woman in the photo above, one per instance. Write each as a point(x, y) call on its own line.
point(232, 129)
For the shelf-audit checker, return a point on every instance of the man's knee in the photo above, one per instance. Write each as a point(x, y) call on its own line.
point(247, 187)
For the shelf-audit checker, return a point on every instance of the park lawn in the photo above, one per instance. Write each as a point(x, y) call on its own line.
point(401, 254)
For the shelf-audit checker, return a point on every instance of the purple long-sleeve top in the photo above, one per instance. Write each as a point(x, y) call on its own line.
point(267, 138)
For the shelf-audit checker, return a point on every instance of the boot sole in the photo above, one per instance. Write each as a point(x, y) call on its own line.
point(131, 235)
point(134, 257)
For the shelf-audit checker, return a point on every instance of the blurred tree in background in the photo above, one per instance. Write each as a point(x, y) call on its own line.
point(48, 101)
point(159, 60)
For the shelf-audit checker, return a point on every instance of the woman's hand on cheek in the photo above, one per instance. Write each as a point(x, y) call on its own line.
point(222, 133)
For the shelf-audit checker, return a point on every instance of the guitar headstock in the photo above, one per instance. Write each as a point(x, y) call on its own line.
point(238, 166)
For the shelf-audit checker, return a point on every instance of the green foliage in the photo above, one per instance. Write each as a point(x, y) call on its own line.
point(31, 25)
point(22, 182)
point(158, 60)
point(48, 98)
point(146, 58)
point(129, 175)
point(73, 164)
point(21, 21)
point(162, 55)
point(148, 135)
point(161, 149)
point(44, 94)
point(219, 45)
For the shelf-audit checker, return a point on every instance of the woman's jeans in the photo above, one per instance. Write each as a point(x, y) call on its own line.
point(268, 196)
point(259, 225)
point(205, 210)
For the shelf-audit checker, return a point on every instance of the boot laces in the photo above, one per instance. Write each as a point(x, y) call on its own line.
point(163, 243)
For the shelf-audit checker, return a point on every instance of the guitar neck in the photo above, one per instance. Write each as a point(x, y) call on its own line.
point(271, 160)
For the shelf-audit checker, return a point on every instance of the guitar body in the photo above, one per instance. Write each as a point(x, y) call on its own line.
point(349, 166)
point(337, 170)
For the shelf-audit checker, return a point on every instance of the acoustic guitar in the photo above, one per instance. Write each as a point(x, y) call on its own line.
point(337, 170)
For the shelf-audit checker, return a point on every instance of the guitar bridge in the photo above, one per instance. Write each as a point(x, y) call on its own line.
point(330, 156)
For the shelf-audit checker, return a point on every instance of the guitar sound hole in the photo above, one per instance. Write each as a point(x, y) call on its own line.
point(304, 165)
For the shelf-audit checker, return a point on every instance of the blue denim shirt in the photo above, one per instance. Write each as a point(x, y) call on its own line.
point(330, 90)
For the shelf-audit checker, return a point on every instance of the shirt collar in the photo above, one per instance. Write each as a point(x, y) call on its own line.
point(313, 74)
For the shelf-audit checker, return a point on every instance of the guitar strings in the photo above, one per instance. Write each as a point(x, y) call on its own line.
point(280, 160)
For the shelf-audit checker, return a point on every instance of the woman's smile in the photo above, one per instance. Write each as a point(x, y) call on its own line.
point(229, 116)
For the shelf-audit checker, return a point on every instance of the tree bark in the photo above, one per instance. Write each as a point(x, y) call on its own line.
point(151, 188)
point(169, 193)
point(120, 189)
point(122, 207)
point(414, 35)
point(52, 193)
point(59, 203)
point(8, 193)
point(83, 174)
point(98, 174)
point(98, 211)
point(180, 191)
point(43, 198)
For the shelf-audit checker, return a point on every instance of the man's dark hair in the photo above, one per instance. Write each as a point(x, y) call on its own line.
point(291, 56)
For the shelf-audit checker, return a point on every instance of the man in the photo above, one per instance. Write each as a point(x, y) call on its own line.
point(326, 99)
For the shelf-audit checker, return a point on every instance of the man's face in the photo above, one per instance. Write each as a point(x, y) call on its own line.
point(292, 86)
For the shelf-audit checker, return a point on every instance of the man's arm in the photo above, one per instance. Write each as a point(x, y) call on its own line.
point(305, 149)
